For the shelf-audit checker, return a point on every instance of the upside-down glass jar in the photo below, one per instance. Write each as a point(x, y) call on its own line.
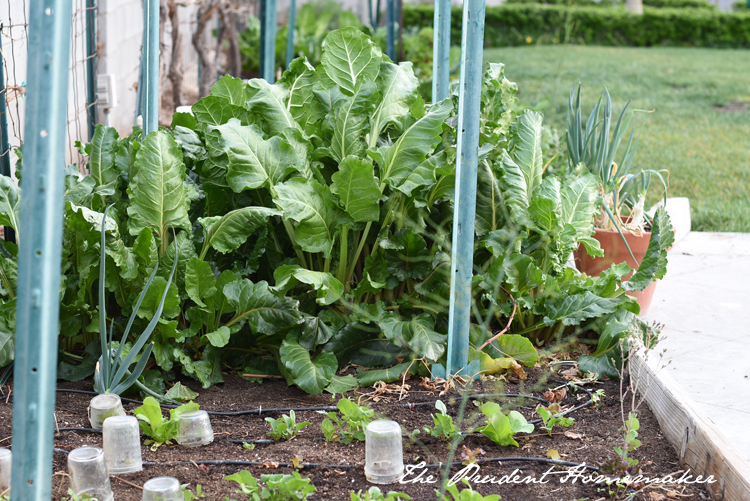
point(195, 429)
point(104, 406)
point(384, 456)
point(122, 445)
point(88, 473)
point(162, 489)
point(6, 460)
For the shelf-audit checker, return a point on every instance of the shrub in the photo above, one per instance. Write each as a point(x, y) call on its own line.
point(519, 24)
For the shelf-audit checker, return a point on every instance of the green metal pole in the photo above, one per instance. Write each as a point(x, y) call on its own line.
point(268, 40)
point(10, 235)
point(290, 35)
point(462, 251)
point(91, 52)
point(150, 67)
point(441, 50)
point(390, 23)
point(40, 250)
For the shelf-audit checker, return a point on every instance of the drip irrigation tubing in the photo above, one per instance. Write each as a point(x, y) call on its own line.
point(223, 462)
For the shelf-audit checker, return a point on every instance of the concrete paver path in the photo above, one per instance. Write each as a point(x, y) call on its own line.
point(704, 302)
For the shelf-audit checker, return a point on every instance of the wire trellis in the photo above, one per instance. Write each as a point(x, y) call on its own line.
point(14, 52)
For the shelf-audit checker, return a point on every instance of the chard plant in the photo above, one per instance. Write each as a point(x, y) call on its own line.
point(350, 426)
point(152, 423)
point(500, 428)
point(310, 225)
point(286, 427)
point(273, 487)
point(443, 428)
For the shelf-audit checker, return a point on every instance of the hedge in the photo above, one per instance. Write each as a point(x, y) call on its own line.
point(520, 24)
point(662, 4)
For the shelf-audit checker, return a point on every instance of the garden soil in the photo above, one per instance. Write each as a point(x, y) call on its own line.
point(591, 440)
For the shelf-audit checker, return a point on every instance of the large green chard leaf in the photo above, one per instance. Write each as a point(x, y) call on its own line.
point(545, 209)
point(522, 173)
point(489, 215)
point(254, 303)
point(234, 90)
point(407, 256)
point(412, 147)
point(199, 281)
point(527, 149)
point(516, 347)
point(349, 57)
point(357, 187)
point(226, 233)
point(314, 208)
point(10, 204)
point(268, 103)
point(215, 110)
point(417, 334)
point(580, 204)
point(102, 159)
point(350, 339)
point(329, 288)
point(350, 117)
point(574, 309)
point(302, 104)
point(253, 161)
point(398, 87)
point(310, 375)
point(395, 373)
point(157, 193)
point(7, 332)
point(654, 264)
point(314, 332)
point(522, 274)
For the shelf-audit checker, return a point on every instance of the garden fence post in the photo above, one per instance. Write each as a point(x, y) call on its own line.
point(390, 23)
point(91, 52)
point(441, 51)
point(290, 34)
point(268, 40)
point(150, 66)
point(9, 234)
point(462, 250)
point(40, 249)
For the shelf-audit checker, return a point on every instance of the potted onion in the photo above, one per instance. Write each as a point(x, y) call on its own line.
point(621, 227)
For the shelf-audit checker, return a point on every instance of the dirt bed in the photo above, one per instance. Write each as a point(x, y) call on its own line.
point(591, 440)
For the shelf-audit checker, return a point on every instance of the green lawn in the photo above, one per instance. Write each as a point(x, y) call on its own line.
point(706, 150)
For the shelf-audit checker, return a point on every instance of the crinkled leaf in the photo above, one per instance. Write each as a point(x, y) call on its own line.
point(102, 159)
point(219, 337)
point(226, 233)
point(199, 281)
point(180, 393)
point(518, 348)
point(342, 384)
point(417, 334)
point(357, 188)
point(314, 332)
point(397, 85)
point(254, 162)
point(254, 303)
point(328, 287)
point(350, 118)
point(413, 146)
point(389, 375)
point(215, 110)
point(302, 103)
point(312, 376)
point(409, 258)
point(234, 90)
point(153, 296)
point(574, 309)
point(349, 57)
point(313, 208)
point(157, 193)
point(268, 103)
point(10, 204)
point(654, 264)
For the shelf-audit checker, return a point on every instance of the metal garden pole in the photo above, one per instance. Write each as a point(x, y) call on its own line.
point(10, 234)
point(40, 250)
point(290, 35)
point(462, 251)
point(150, 67)
point(91, 51)
point(390, 23)
point(441, 51)
point(268, 40)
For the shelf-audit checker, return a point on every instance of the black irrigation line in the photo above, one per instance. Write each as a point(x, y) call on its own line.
point(233, 462)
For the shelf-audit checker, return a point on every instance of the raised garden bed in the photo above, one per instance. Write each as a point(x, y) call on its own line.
point(590, 440)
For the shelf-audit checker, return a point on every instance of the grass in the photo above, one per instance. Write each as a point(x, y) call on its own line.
point(705, 149)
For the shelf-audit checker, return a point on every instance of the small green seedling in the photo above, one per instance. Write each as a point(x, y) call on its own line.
point(248, 446)
point(188, 495)
point(375, 494)
point(73, 497)
point(551, 416)
point(597, 398)
point(286, 427)
point(352, 424)
point(630, 439)
point(444, 428)
point(468, 494)
point(153, 424)
point(501, 428)
point(277, 487)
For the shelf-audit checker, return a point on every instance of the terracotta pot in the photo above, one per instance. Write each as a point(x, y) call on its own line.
point(615, 252)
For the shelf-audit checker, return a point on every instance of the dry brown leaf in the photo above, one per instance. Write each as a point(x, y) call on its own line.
point(553, 454)
point(269, 464)
point(554, 395)
point(572, 372)
point(671, 494)
point(655, 496)
point(573, 435)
